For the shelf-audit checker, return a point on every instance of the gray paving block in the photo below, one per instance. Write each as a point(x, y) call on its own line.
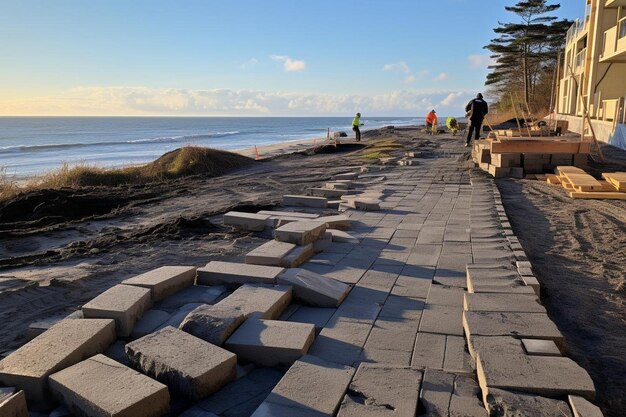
point(179, 316)
point(338, 222)
point(123, 303)
point(436, 393)
point(583, 408)
point(499, 302)
point(508, 403)
point(164, 281)
point(102, 387)
point(313, 315)
point(301, 232)
point(185, 363)
point(212, 323)
point(64, 344)
point(380, 390)
point(393, 334)
point(312, 386)
point(541, 347)
point(278, 213)
point(246, 221)
point(341, 341)
point(445, 296)
point(457, 359)
point(304, 201)
point(271, 253)
point(429, 351)
point(271, 342)
point(298, 256)
point(442, 320)
point(425, 255)
point(405, 308)
point(12, 403)
point(149, 322)
point(385, 356)
point(521, 325)
point(465, 400)
point(196, 294)
point(261, 301)
point(495, 280)
point(314, 289)
point(233, 274)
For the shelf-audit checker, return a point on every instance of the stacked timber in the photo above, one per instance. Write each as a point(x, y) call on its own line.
point(579, 184)
point(517, 157)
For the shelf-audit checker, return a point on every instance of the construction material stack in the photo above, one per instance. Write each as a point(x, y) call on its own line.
point(579, 184)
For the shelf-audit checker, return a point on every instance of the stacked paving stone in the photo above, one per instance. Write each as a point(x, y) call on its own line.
point(425, 307)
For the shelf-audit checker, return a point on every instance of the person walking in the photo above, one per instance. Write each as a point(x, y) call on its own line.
point(356, 123)
point(477, 109)
point(431, 122)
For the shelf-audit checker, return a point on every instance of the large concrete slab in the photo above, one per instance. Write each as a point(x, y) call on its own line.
point(508, 403)
point(246, 221)
point(312, 386)
point(541, 347)
point(298, 255)
point(164, 281)
point(521, 325)
point(314, 289)
point(12, 403)
point(271, 342)
point(339, 222)
point(442, 320)
point(123, 303)
point(183, 362)
point(64, 344)
point(301, 233)
point(256, 300)
point(498, 302)
point(304, 201)
point(233, 274)
point(102, 387)
point(583, 408)
point(271, 253)
point(436, 393)
point(482, 279)
point(382, 390)
point(465, 400)
point(212, 323)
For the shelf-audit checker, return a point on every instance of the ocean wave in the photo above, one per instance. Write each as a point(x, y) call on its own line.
point(165, 139)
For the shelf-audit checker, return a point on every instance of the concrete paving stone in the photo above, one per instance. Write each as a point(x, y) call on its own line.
point(436, 392)
point(195, 294)
point(363, 203)
point(342, 237)
point(233, 273)
point(495, 345)
point(494, 302)
point(179, 316)
point(317, 316)
point(164, 281)
point(327, 192)
point(521, 325)
point(431, 235)
point(508, 403)
point(445, 296)
point(38, 327)
point(380, 278)
point(271, 343)
point(532, 282)
point(404, 308)
point(406, 233)
point(246, 221)
point(449, 278)
point(314, 289)
point(241, 397)
point(304, 201)
point(278, 213)
point(457, 359)
point(382, 233)
point(346, 273)
point(492, 280)
point(392, 334)
point(331, 257)
point(442, 320)
point(212, 323)
point(425, 255)
point(319, 267)
point(541, 347)
point(350, 176)
point(341, 341)
point(312, 386)
point(301, 232)
point(297, 256)
point(385, 356)
point(361, 305)
point(583, 408)
point(257, 300)
point(541, 375)
point(123, 303)
point(379, 390)
point(271, 253)
point(149, 322)
point(429, 351)
point(98, 387)
point(183, 362)
point(64, 344)
point(407, 286)
point(12, 403)
point(324, 243)
point(465, 400)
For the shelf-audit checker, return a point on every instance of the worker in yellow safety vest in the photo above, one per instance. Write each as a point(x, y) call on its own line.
point(356, 123)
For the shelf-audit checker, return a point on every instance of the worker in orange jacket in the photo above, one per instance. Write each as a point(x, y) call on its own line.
point(431, 121)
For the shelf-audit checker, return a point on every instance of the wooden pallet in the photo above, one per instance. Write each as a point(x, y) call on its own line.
point(600, 195)
point(617, 179)
point(553, 179)
point(540, 145)
point(578, 184)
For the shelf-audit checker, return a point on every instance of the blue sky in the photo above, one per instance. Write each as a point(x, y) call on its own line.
point(272, 57)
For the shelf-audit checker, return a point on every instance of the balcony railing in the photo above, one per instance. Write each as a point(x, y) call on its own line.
point(615, 40)
point(580, 58)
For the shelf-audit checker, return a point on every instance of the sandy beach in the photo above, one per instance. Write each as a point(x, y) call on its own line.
point(60, 248)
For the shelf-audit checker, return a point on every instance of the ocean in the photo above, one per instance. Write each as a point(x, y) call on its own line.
point(33, 145)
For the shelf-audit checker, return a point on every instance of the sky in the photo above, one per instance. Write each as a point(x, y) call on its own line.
point(246, 58)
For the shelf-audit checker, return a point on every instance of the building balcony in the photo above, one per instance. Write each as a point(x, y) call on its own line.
point(615, 43)
point(611, 4)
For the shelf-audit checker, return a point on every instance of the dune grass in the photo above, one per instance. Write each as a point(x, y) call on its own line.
point(381, 148)
point(183, 162)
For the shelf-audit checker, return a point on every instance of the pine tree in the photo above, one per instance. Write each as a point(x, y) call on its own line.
point(525, 52)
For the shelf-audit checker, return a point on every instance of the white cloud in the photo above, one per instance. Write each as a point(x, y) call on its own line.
point(409, 79)
point(479, 61)
point(290, 64)
point(403, 68)
point(136, 101)
point(251, 63)
point(442, 76)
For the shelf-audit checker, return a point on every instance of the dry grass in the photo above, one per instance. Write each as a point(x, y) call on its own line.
point(380, 148)
point(179, 163)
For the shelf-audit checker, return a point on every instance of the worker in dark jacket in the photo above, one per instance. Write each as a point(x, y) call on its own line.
point(477, 109)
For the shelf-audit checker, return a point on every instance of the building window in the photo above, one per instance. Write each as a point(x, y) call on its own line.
point(622, 29)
